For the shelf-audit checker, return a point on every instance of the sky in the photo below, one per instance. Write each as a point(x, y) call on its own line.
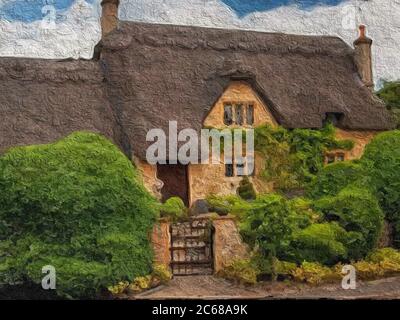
point(70, 28)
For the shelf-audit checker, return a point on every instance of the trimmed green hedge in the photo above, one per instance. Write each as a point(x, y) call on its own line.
point(79, 205)
point(356, 210)
point(336, 176)
point(382, 162)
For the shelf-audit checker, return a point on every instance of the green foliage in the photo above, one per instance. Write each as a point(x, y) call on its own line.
point(174, 208)
point(324, 243)
point(382, 161)
point(162, 273)
point(315, 274)
point(241, 271)
point(357, 211)
point(294, 157)
point(79, 205)
point(246, 190)
point(390, 93)
point(268, 226)
point(383, 254)
point(228, 204)
point(285, 268)
point(336, 176)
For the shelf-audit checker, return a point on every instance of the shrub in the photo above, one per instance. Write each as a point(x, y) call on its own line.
point(368, 270)
point(174, 208)
point(382, 160)
point(390, 93)
point(229, 204)
point(285, 268)
point(323, 243)
point(162, 273)
point(383, 254)
point(315, 274)
point(336, 176)
point(246, 190)
point(241, 271)
point(268, 225)
point(357, 211)
point(79, 205)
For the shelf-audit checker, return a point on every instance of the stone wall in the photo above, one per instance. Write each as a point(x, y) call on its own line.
point(360, 138)
point(228, 245)
point(161, 241)
point(149, 176)
point(206, 179)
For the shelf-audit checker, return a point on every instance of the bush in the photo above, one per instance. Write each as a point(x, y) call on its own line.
point(380, 255)
point(268, 226)
point(174, 209)
point(315, 274)
point(246, 190)
point(357, 211)
point(79, 205)
point(228, 204)
point(162, 273)
point(382, 160)
point(390, 93)
point(336, 176)
point(323, 243)
point(285, 268)
point(241, 271)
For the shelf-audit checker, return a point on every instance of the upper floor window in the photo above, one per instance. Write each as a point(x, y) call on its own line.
point(239, 114)
point(334, 157)
point(228, 116)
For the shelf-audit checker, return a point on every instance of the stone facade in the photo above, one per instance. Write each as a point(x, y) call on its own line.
point(161, 240)
point(239, 92)
point(228, 245)
point(360, 138)
point(149, 176)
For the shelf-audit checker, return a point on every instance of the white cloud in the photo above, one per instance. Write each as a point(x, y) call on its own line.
point(79, 31)
point(382, 18)
point(74, 35)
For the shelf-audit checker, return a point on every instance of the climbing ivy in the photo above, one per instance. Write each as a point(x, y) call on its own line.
point(294, 157)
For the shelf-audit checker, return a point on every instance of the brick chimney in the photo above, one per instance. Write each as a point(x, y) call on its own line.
point(363, 57)
point(109, 16)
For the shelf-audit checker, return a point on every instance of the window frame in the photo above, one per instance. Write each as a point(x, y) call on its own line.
point(239, 113)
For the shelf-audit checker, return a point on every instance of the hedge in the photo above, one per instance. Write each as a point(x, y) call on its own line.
point(79, 205)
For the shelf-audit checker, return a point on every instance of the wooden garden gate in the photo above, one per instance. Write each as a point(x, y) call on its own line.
point(191, 247)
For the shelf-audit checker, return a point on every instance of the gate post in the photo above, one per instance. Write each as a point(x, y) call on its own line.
point(228, 245)
point(161, 241)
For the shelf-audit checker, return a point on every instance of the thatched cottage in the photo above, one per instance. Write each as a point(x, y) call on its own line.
point(143, 75)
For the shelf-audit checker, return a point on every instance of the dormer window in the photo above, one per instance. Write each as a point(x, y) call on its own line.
point(239, 114)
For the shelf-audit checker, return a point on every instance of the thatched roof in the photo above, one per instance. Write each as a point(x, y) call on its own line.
point(149, 74)
point(43, 100)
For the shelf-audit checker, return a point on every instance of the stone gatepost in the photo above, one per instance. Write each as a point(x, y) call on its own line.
point(161, 240)
point(228, 245)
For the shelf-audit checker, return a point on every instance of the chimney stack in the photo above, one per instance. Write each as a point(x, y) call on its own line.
point(363, 57)
point(109, 16)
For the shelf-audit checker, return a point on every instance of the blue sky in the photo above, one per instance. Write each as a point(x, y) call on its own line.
point(245, 7)
point(31, 10)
